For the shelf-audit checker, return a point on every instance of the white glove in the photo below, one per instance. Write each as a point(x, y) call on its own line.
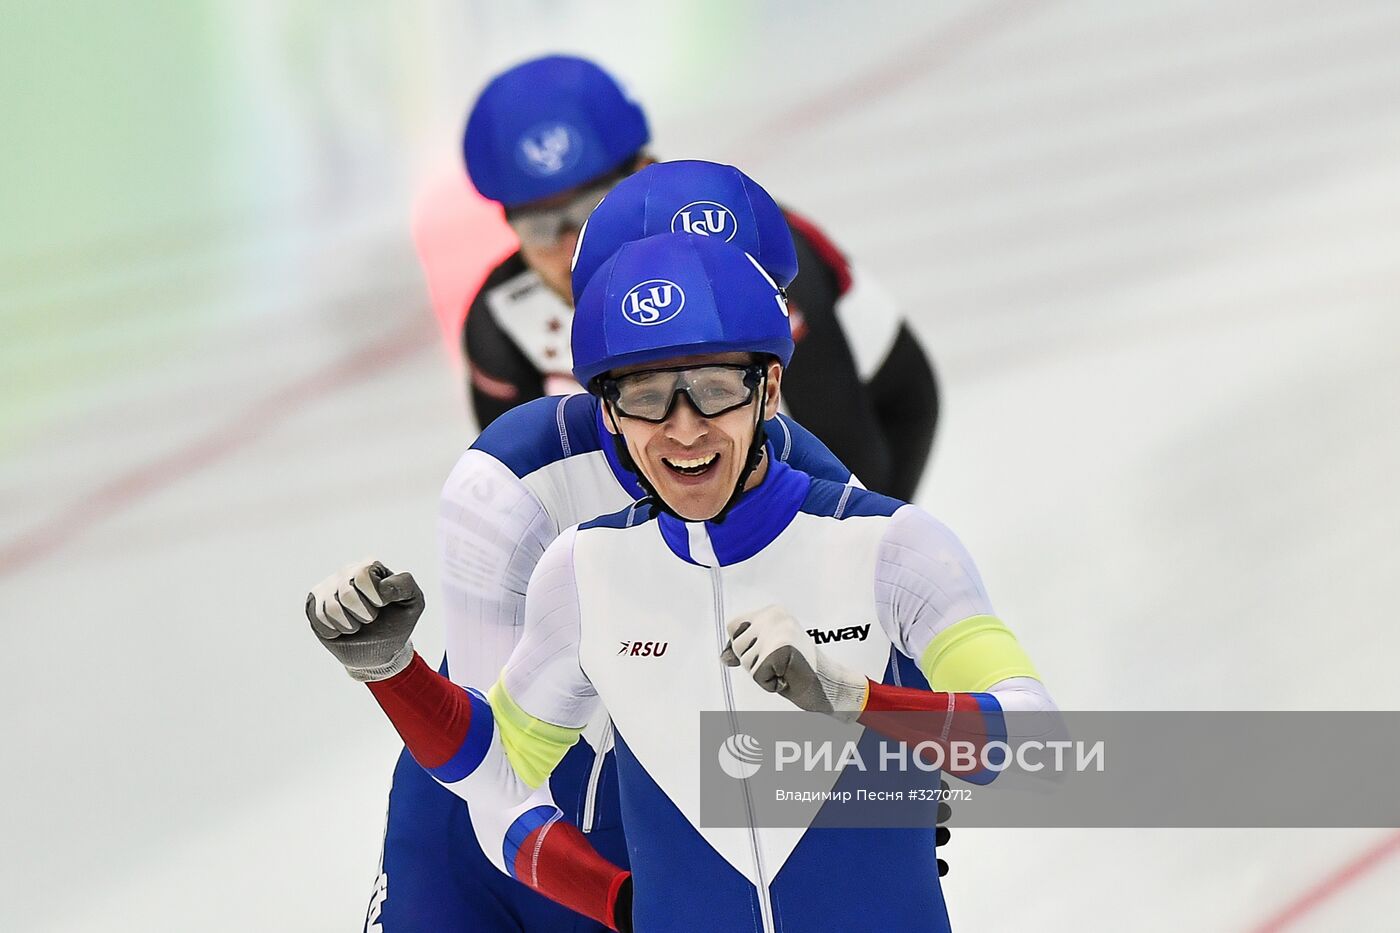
point(364, 616)
point(783, 659)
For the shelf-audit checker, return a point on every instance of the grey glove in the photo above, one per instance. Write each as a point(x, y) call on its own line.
point(784, 659)
point(364, 616)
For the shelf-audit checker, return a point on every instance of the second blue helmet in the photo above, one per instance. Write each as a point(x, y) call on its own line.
point(703, 198)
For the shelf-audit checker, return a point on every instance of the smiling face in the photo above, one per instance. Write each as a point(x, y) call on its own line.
point(694, 462)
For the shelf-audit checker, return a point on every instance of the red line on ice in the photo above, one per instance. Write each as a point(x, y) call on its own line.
point(1329, 887)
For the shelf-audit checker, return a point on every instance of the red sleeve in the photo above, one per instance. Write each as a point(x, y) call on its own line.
point(558, 861)
point(430, 712)
point(951, 721)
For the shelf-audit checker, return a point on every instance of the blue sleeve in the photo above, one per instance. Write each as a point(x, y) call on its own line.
point(541, 431)
point(799, 448)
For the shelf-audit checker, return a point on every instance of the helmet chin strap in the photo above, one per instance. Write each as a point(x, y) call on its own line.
point(755, 457)
point(751, 463)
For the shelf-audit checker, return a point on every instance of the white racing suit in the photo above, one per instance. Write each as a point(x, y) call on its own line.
point(834, 556)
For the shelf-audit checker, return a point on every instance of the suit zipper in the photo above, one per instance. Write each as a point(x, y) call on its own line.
point(765, 899)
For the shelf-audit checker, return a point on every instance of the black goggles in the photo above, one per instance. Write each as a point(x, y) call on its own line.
point(712, 390)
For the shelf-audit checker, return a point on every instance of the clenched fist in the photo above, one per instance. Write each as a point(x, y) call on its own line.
point(783, 659)
point(364, 616)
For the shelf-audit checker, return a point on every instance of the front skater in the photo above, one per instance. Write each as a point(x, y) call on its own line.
point(729, 564)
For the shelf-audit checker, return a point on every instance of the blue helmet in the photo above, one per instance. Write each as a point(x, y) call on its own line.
point(676, 294)
point(704, 198)
point(549, 125)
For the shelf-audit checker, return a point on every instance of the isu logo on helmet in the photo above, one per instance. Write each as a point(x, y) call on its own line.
point(550, 148)
point(706, 218)
point(654, 301)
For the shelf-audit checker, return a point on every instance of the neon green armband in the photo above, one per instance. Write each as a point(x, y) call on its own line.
point(533, 747)
point(971, 655)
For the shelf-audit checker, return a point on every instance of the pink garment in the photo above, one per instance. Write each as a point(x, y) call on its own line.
point(460, 237)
